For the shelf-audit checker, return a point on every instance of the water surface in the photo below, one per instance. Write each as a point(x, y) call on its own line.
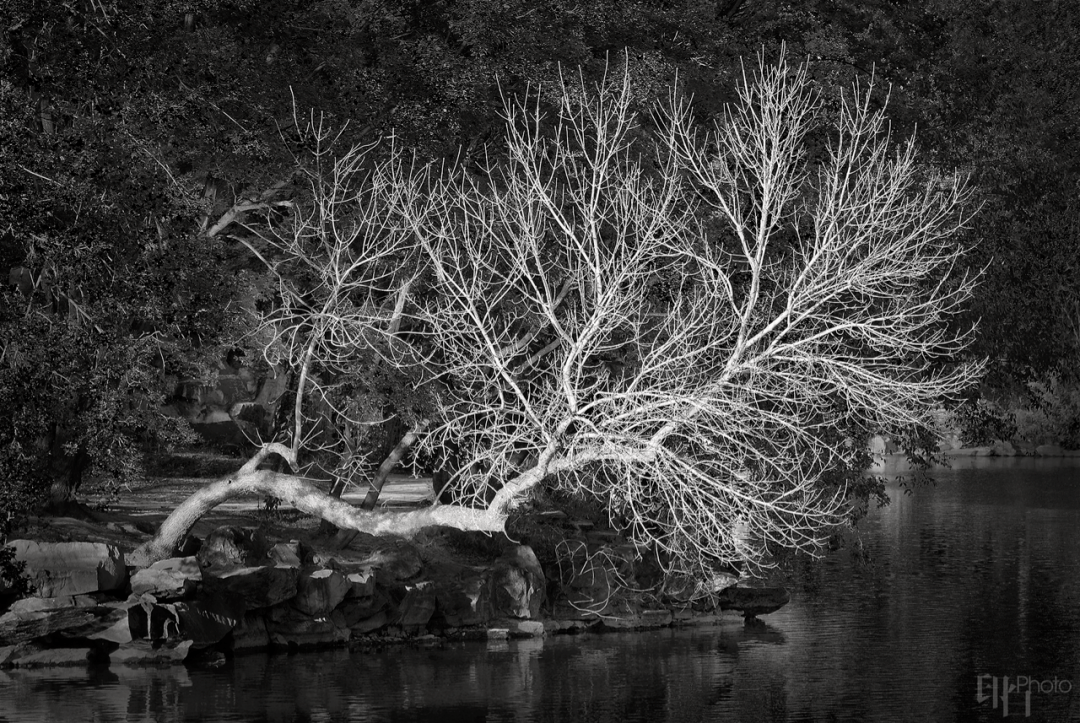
point(977, 575)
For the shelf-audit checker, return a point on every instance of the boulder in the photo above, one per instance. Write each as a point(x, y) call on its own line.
point(230, 547)
point(52, 657)
point(753, 601)
point(526, 628)
point(395, 566)
point(1049, 450)
point(289, 554)
point(356, 610)
point(369, 625)
point(29, 605)
point(416, 608)
point(174, 578)
point(463, 601)
point(59, 569)
point(319, 591)
point(516, 584)
point(361, 584)
point(16, 628)
point(250, 633)
point(257, 587)
point(287, 626)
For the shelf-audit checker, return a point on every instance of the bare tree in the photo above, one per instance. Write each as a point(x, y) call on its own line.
point(679, 333)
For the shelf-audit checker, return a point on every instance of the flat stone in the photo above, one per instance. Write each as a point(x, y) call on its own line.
point(526, 628)
point(52, 657)
point(141, 652)
point(555, 627)
point(18, 628)
point(58, 569)
point(29, 605)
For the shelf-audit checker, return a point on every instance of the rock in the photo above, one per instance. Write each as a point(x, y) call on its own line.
point(369, 625)
point(642, 620)
point(52, 657)
point(289, 554)
point(588, 592)
point(287, 626)
point(229, 547)
point(517, 584)
point(753, 601)
point(526, 628)
point(555, 627)
point(416, 608)
point(319, 591)
point(464, 601)
point(30, 605)
point(141, 652)
point(498, 633)
point(174, 578)
point(71, 568)
point(358, 609)
point(1049, 450)
point(395, 566)
point(250, 633)
point(361, 584)
point(20, 627)
point(258, 587)
point(119, 631)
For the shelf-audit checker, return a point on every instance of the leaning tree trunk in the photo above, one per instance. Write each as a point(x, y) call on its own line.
point(308, 498)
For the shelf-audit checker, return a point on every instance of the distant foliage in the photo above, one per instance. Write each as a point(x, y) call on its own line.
point(982, 422)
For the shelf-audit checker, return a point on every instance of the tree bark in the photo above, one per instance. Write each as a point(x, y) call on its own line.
point(308, 498)
point(391, 461)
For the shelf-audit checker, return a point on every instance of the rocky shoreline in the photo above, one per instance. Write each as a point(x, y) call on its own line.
point(237, 592)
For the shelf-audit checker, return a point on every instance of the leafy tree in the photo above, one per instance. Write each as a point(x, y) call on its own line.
point(680, 340)
point(1000, 100)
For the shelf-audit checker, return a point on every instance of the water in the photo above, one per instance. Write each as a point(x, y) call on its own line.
point(978, 575)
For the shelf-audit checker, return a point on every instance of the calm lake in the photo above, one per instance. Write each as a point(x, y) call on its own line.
point(962, 585)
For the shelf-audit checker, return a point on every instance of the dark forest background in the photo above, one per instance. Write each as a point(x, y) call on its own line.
point(138, 139)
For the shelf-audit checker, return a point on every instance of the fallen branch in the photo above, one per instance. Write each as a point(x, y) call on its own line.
point(305, 497)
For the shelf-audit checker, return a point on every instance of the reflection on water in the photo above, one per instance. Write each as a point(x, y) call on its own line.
point(976, 575)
